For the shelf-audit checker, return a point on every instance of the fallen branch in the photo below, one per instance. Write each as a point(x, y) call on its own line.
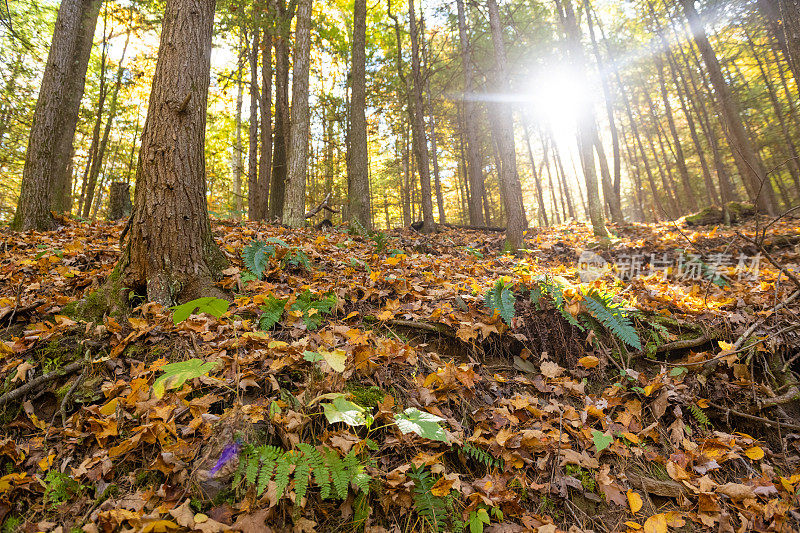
point(22, 390)
point(761, 419)
point(321, 206)
point(684, 344)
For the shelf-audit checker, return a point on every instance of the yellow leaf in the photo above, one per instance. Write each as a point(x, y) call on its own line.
point(442, 487)
point(7, 480)
point(755, 453)
point(634, 501)
point(590, 361)
point(656, 524)
point(633, 439)
point(726, 346)
point(110, 408)
point(46, 462)
point(391, 261)
point(633, 525)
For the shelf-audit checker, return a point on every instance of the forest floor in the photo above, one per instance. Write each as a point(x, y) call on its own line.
point(367, 382)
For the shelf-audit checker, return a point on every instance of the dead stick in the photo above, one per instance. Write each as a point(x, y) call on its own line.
point(684, 344)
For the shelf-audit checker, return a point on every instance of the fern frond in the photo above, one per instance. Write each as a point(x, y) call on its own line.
point(500, 299)
point(302, 474)
point(699, 415)
point(282, 470)
point(612, 318)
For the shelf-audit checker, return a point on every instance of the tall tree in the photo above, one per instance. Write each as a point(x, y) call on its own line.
point(255, 197)
point(295, 201)
point(790, 17)
point(238, 148)
point(265, 104)
point(45, 178)
point(510, 188)
point(357, 154)
point(170, 254)
point(474, 172)
point(744, 153)
point(587, 127)
point(283, 21)
point(419, 142)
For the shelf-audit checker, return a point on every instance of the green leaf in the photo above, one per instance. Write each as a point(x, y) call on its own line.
point(601, 440)
point(313, 357)
point(423, 424)
point(176, 374)
point(501, 299)
point(341, 410)
point(207, 304)
point(678, 371)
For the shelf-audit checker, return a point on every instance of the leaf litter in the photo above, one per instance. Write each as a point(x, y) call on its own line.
point(404, 382)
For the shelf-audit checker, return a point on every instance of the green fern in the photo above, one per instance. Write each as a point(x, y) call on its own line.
point(500, 299)
point(272, 312)
point(306, 302)
point(432, 509)
point(612, 317)
point(546, 285)
point(699, 415)
point(257, 254)
point(481, 456)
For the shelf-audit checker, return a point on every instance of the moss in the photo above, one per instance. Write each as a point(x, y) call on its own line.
point(706, 216)
point(366, 396)
point(109, 299)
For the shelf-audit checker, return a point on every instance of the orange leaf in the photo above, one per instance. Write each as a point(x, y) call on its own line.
point(656, 524)
point(634, 501)
point(590, 361)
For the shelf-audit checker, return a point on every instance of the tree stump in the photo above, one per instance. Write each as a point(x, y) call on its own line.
point(119, 200)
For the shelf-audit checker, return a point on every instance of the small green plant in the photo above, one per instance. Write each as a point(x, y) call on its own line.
point(257, 254)
point(331, 474)
point(586, 477)
point(480, 455)
point(313, 309)
point(432, 509)
point(699, 415)
point(500, 299)
point(207, 304)
point(60, 488)
point(479, 518)
point(272, 310)
point(12, 524)
point(613, 317)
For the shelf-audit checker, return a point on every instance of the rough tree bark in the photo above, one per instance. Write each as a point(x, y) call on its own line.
point(747, 160)
point(474, 173)
point(357, 155)
point(170, 254)
point(45, 177)
point(294, 205)
point(420, 143)
point(119, 200)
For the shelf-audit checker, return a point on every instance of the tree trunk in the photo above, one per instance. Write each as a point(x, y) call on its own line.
point(420, 143)
point(45, 175)
point(279, 149)
point(238, 148)
point(97, 162)
point(587, 128)
point(255, 200)
point(471, 130)
point(536, 178)
point(406, 156)
point(437, 183)
point(357, 152)
point(294, 206)
point(749, 165)
point(83, 205)
point(510, 187)
point(170, 253)
point(119, 201)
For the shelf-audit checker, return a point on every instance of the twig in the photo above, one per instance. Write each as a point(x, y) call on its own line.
point(20, 391)
point(763, 420)
point(321, 206)
point(185, 102)
point(63, 408)
point(425, 326)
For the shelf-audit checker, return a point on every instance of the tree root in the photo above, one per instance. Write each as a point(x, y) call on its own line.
point(761, 419)
point(424, 326)
point(22, 390)
point(685, 344)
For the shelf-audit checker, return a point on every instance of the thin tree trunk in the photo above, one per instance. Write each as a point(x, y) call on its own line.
point(170, 254)
point(101, 150)
point(294, 206)
point(238, 148)
point(587, 128)
point(749, 166)
point(610, 191)
point(437, 184)
point(545, 148)
point(279, 151)
point(473, 162)
point(420, 143)
point(536, 178)
point(265, 160)
point(93, 146)
point(255, 200)
point(510, 187)
point(357, 153)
